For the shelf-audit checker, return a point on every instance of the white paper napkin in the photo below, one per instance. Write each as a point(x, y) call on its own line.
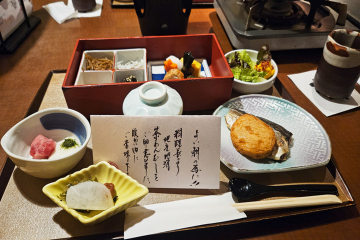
point(326, 106)
point(60, 12)
point(163, 217)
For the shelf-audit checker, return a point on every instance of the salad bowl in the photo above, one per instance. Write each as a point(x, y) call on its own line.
point(252, 87)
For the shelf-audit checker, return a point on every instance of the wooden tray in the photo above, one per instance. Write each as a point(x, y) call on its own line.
point(26, 213)
point(130, 4)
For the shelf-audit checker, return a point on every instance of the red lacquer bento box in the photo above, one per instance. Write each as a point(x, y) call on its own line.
point(106, 96)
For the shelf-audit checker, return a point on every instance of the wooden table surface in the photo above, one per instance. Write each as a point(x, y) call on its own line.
point(50, 45)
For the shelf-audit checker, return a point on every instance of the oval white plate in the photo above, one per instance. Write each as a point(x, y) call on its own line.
point(311, 145)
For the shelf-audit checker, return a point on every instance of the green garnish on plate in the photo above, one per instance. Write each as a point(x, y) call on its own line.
point(69, 143)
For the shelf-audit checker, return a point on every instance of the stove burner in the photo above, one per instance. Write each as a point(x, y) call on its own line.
point(245, 32)
point(287, 12)
point(280, 8)
point(276, 12)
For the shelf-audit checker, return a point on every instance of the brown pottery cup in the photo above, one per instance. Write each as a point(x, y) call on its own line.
point(339, 67)
point(84, 5)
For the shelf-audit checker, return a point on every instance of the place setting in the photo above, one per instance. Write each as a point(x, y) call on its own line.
point(166, 134)
point(152, 150)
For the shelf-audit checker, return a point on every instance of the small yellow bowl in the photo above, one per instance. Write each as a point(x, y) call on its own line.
point(128, 190)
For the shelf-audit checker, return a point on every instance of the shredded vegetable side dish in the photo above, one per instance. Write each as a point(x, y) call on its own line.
point(98, 63)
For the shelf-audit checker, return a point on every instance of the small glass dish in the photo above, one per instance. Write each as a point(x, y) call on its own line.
point(128, 190)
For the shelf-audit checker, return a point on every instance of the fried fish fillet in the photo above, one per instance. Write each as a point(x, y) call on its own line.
point(252, 137)
point(281, 149)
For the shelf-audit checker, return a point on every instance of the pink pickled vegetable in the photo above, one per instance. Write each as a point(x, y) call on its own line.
point(42, 147)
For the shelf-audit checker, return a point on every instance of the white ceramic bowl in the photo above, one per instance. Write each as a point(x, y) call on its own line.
point(153, 99)
point(56, 124)
point(249, 87)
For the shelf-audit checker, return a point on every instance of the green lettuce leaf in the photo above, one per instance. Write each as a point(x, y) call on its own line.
point(248, 75)
point(243, 55)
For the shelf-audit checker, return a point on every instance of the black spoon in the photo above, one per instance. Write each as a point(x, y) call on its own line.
point(244, 189)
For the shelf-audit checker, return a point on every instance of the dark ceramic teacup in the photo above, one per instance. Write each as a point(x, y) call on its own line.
point(339, 67)
point(84, 5)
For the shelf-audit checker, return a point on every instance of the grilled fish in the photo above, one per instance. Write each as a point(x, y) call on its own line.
point(283, 136)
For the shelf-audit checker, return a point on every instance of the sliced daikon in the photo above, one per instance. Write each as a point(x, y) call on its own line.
point(89, 196)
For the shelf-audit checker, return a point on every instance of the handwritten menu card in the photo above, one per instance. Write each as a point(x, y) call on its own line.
point(161, 152)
